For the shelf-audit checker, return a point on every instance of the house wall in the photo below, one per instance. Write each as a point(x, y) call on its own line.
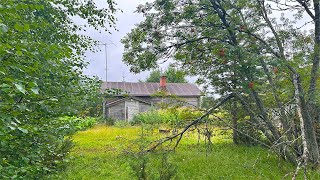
point(127, 109)
point(186, 101)
point(143, 107)
point(192, 101)
point(117, 111)
point(132, 108)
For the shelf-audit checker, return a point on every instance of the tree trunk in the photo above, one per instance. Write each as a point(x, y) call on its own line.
point(316, 59)
point(265, 117)
point(260, 124)
point(306, 124)
point(234, 122)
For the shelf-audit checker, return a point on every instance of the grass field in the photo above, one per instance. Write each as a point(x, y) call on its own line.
point(100, 153)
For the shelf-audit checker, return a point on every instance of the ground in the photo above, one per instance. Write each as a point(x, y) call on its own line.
point(102, 153)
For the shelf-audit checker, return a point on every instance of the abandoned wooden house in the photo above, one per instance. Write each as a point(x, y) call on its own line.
point(140, 97)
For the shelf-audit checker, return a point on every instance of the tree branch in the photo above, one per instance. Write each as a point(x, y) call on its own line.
point(303, 3)
point(193, 123)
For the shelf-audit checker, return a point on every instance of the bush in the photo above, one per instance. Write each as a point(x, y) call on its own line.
point(39, 150)
point(78, 124)
point(150, 117)
point(170, 116)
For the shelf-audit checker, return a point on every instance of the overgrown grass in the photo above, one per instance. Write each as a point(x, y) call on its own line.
point(99, 154)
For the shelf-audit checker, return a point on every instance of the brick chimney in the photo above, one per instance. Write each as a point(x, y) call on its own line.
point(163, 83)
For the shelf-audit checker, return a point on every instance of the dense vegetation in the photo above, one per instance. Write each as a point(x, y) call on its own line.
point(262, 62)
point(170, 116)
point(41, 80)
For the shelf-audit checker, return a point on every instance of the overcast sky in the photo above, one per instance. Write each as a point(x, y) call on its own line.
point(117, 70)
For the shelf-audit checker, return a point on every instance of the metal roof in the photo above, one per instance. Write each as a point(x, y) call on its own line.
point(147, 89)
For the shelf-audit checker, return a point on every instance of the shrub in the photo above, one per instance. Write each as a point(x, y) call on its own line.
point(77, 124)
point(170, 116)
point(150, 117)
point(38, 149)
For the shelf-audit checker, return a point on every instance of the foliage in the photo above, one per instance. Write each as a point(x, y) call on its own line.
point(207, 102)
point(48, 145)
point(77, 124)
point(153, 117)
point(162, 168)
point(113, 92)
point(242, 48)
point(41, 62)
point(173, 75)
point(140, 162)
point(90, 101)
point(171, 116)
point(247, 134)
point(169, 100)
point(154, 76)
point(109, 121)
point(99, 153)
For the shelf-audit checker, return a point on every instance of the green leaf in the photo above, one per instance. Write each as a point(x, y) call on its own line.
point(3, 28)
point(25, 131)
point(5, 88)
point(26, 27)
point(20, 88)
point(11, 127)
point(19, 27)
point(19, 53)
point(35, 90)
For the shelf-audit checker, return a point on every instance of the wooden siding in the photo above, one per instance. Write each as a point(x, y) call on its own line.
point(143, 107)
point(192, 101)
point(186, 101)
point(117, 111)
point(132, 108)
point(128, 108)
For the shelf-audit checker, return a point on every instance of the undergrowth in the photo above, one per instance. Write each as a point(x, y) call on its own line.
point(105, 152)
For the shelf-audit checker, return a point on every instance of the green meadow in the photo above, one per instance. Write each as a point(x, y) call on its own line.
point(105, 152)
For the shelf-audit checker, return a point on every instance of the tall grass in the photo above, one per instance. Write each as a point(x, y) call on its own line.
point(102, 153)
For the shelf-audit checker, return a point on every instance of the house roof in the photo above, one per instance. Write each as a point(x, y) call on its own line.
point(147, 89)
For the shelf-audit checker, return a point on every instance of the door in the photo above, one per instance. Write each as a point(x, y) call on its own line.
point(132, 108)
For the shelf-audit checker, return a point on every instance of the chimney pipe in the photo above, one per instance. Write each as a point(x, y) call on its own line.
point(163, 83)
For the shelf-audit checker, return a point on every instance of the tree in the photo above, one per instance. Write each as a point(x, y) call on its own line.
point(173, 74)
point(239, 48)
point(41, 79)
point(154, 76)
